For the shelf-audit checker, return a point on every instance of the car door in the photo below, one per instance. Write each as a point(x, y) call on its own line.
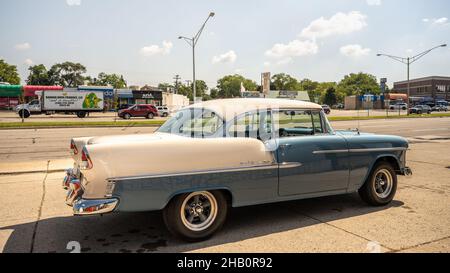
point(141, 111)
point(311, 157)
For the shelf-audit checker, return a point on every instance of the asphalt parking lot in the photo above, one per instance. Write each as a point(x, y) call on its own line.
point(34, 218)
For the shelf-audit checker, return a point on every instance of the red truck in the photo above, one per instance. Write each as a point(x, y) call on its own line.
point(139, 110)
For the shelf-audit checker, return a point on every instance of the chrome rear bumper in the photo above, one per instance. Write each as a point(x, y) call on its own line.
point(82, 206)
point(95, 206)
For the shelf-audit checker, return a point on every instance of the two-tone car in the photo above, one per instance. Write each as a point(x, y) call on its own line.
point(231, 152)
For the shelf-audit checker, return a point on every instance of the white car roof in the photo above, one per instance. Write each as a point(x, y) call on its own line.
point(230, 108)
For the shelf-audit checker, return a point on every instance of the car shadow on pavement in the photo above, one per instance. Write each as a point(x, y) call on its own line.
point(145, 232)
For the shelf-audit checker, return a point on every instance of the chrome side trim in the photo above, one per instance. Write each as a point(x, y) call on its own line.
point(238, 169)
point(289, 165)
point(330, 151)
point(394, 149)
point(364, 150)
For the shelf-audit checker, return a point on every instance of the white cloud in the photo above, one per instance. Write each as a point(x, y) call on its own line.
point(152, 50)
point(73, 2)
point(285, 61)
point(436, 21)
point(23, 46)
point(294, 48)
point(227, 57)
point(373, 2)
point(340, 23)
point(354, 51)
point(28, 62)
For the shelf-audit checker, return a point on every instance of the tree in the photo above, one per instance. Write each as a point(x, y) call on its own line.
point(358, 84)
point(165, 86)
point(39, 75)
point(103, 79)
point(310, 86)
point(330, 97)
point(8, 73)
point(200, 90)
point(67, 74)
point(284, 81)
point(214, 93)
point(230, 86)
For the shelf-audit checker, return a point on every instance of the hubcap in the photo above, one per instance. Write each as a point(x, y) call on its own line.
point(383, 183)
point(198, 211)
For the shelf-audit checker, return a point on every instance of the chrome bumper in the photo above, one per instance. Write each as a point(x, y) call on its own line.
point(406, 171)
point(82, 206)
point(95, 206)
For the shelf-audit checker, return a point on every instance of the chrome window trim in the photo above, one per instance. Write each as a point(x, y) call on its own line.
point(284, 165)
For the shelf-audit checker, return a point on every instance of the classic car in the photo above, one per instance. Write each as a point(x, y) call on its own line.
point(231, 152)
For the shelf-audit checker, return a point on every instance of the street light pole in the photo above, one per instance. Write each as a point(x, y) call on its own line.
point(408, 61)
point(193, 42)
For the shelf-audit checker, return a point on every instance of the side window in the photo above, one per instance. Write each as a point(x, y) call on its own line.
point(317, 123)
point(252, 125)
point(202, 123)
point(291, 123)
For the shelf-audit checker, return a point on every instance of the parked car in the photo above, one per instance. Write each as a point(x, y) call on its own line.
point(231, 152)
point(326, 109)
point(340, 106)
point(420, 109)
point(439, 108)
point(139, 110)
point(163, 111)
point(397, 106)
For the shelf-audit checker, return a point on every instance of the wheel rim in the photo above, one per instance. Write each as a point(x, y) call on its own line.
point(383, 183)
point(198, 211)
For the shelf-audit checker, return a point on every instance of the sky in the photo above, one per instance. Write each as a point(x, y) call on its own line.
point(322, 40)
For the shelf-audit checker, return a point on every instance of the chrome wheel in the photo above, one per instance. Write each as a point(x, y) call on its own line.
point(198, 211)
point(383, 183)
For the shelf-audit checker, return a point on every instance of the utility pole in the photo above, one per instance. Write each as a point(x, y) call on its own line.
point(176, 78)
point(408, 61)
point(193, 42)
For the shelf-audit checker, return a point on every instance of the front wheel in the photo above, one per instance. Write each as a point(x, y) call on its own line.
point(381, 185)
point(196, 216)
point(24, 114)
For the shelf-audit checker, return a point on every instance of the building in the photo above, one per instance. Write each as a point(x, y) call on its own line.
point(9, 95)
point(364, 102)
point(425, 89)
point(174, 101)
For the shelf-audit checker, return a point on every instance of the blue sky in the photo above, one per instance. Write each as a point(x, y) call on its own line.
point(321, 40)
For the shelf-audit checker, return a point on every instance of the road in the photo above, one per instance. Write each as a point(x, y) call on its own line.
point(33, 216)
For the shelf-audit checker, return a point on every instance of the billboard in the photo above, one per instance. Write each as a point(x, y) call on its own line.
point(265, 82)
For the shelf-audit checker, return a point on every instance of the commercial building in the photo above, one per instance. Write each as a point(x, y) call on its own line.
point(432, 88)
point(9, 96)
point(288, 94)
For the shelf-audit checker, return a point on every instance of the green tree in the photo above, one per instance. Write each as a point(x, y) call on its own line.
point(67, 74)
point(200, 90)
point(358, 84)
point(103, 79)
point(310, 86)
point(8, 73)
point(39, 75)
point(284, 81)
point(230, 86)
point(165, 86)
point(330, 97)
point(214, 93)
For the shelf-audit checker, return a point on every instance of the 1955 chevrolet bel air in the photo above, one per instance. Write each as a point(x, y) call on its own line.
point(231, 152)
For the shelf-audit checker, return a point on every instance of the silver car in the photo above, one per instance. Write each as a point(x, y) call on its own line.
point(163, 111)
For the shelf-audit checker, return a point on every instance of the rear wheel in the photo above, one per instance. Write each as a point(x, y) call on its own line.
point(149, 116)
point(165, 115)
point(196, 216)
point(381, 185)
point(81, 114)
point(24, 114)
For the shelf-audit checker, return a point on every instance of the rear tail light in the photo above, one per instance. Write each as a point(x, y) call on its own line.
point(73, 147)
point(86, 162)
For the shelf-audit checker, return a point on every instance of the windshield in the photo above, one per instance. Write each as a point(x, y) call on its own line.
point(193, 122)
